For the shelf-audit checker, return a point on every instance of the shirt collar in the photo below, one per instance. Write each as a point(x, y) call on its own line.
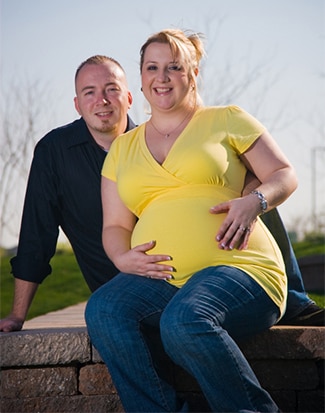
point(82, 135)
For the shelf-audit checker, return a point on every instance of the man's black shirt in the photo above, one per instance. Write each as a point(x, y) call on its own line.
point(64, 191)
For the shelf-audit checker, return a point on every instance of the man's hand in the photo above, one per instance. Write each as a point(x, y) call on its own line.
point(11, 323)
point(23, 296)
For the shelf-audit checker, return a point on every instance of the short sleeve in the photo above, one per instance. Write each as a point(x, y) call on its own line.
point(243, 129)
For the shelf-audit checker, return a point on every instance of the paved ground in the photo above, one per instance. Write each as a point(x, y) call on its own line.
point(68, 317)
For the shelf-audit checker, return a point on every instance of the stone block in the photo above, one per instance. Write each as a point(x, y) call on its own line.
point(95, 357)
point(285, 400)
point(44, 347)
point(286, 374)
point(286, 343)
point(43, 382)
point(72, 404)
point(321, 373)
point(311, 402)
point(95, 379)
point(53, 371)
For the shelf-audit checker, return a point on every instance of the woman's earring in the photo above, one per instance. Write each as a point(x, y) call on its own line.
point(141, 88)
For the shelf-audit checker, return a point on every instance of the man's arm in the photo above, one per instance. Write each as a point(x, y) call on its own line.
point(23, 297)
point(37, 240)
point(251, 183)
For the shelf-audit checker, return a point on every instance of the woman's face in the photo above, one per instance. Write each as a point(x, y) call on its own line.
point(165, 82)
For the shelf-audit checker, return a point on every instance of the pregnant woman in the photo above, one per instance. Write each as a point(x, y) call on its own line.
point(195, 259)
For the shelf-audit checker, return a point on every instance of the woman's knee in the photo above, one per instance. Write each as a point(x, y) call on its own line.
point(176, 324)
point(93, 309)
point(170, 334)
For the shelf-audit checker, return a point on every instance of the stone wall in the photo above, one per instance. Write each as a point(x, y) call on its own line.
point(58, 371)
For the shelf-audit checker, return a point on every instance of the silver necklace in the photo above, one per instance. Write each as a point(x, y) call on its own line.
point(167, 135)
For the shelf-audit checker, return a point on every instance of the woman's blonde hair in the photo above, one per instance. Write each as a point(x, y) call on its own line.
point(187, 45)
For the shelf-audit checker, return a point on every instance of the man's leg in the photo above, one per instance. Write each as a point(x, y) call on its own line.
point(301, 310)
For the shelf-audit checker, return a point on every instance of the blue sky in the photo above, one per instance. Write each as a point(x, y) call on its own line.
point(46, 40)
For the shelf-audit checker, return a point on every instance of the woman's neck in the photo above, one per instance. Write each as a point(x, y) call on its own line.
point(167, 124)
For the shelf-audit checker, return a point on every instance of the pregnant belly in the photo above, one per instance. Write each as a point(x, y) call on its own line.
point(185, 230)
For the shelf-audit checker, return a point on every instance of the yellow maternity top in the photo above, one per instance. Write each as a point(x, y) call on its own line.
point(172, 200)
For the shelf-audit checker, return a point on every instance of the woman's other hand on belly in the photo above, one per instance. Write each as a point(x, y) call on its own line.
point(137, 261)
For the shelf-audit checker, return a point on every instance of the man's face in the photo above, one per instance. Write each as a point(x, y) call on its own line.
point(102, 98)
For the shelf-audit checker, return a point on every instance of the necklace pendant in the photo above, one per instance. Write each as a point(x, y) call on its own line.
point(167, 135)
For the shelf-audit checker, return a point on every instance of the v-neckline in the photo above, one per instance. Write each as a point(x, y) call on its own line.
point(178, 139)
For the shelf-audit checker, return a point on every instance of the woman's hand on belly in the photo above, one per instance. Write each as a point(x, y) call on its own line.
point(238, 224)
point(137, 261)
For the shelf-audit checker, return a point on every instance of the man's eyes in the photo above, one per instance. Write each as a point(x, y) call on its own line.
point(111, 89)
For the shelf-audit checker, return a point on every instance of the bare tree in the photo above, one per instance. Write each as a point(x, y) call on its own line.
point(24, 116)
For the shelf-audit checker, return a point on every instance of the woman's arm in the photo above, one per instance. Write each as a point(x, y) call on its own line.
point(118, 224)
point(272, 168)
point(118, 221)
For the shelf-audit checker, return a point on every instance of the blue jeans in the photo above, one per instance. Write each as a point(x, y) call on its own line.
point(297, 299)
point(199, 326)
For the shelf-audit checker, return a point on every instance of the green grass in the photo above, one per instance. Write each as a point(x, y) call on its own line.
point(311, 246)
point(318, 298)
point(305, 248)
point(66, 286)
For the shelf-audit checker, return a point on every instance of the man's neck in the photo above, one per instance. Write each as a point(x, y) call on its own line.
point(105, 139)
point(104, 142)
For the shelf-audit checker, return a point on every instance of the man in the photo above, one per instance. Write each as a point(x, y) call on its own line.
point(64, 191)
point(64, 186)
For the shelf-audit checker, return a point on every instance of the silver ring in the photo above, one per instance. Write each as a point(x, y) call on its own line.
point(242, 228)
